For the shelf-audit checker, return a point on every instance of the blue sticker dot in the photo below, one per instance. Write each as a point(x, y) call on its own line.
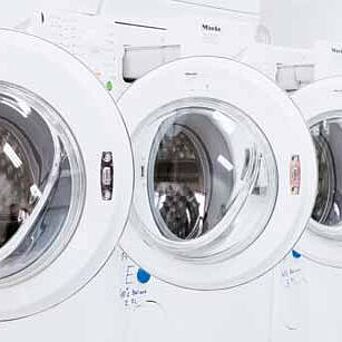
point(296, 255)
point(143, 276)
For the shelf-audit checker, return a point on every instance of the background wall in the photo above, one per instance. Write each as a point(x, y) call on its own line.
point(299, 23)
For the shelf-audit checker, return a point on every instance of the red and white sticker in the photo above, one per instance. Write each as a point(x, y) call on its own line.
point(295, 175)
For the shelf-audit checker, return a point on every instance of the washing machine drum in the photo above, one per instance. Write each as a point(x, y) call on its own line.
point(225, 173)
point(321, 103)
point(65, 188)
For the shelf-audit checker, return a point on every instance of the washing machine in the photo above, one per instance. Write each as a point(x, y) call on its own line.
point(307, 281)
point(221, 196)
point(308, 305)
point(66, 189)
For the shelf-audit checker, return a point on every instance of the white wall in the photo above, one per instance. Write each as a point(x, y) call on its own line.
point(299, 23)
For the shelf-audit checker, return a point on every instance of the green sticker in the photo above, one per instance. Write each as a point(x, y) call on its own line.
point(109, 86)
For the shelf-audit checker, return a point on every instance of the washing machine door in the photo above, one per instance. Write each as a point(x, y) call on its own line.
point(66, 175)
point(225, 173)
point(321, 104)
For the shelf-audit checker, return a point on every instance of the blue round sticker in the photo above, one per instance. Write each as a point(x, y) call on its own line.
point(143, 276)
point(296, 254)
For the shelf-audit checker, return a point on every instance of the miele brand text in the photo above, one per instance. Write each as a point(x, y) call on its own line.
point(336, 50)
point(211, 28)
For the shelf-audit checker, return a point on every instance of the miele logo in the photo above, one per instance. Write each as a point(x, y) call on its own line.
point(336, 50)
point(211, 28)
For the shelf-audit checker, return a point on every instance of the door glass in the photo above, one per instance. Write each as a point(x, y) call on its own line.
point(211, 175)
point(41, 171)
point(327, 135)
point(181, 183)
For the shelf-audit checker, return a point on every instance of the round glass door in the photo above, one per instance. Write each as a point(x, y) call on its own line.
point(40, 168)
point(65, 187)
point(211, 179)
point(223, 163)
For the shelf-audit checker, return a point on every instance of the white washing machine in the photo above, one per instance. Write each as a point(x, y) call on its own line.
point(311, 302)
point(307, 283)
point(223, 190)
point(66, 178)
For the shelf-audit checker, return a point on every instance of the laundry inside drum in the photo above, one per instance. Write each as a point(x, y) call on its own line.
point(25, 164)
point(19, 176)
point(182, 182)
